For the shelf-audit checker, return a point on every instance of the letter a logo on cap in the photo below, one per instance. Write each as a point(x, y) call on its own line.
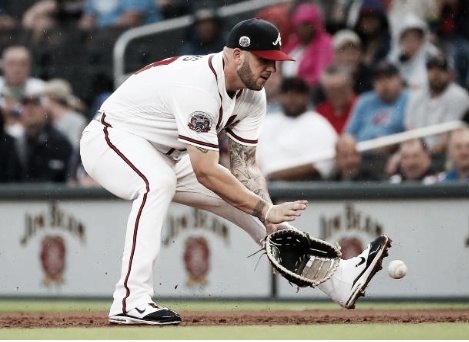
point(278, 41)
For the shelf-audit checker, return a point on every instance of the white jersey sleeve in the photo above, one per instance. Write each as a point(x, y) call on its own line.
point(248, 114)
point(196, 116)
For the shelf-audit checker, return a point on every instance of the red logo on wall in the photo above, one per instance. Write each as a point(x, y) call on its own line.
point(53, 259)
point(197, 260)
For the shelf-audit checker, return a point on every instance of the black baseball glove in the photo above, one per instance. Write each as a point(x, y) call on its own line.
point(301, 259)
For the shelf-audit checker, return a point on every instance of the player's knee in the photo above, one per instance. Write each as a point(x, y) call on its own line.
point(162, 185)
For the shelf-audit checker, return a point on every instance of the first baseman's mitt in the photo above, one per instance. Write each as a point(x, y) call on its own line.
point(301, 259)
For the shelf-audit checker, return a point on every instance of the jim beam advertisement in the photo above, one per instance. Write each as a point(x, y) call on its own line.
point(197, 255)
point(352, 229)
point(51, 224)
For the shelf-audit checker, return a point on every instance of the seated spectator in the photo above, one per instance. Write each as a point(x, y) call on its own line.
point(372, 26)
point(379, 113)
point(337, 85)
point(348, 53)
point(414, 163)
point(44, 152)
point(118, 13)
point(45, 15)
point(10, 167)
point(205, 35)
point(14, 84)
point(412, 51)
point(443, 101)
point(348, 162)
point(16, 80)
point(452, 34)
point(310, 45)
point(293, 133)
point(70, 123)
point(458, 151)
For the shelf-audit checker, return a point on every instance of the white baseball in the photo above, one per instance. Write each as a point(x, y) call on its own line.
point(397, 269)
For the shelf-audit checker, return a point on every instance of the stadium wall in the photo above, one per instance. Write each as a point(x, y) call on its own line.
point(62, 241)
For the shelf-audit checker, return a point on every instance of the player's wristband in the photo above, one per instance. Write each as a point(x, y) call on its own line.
point(267, 213)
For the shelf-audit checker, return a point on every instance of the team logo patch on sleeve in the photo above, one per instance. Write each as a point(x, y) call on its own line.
point(200, 122)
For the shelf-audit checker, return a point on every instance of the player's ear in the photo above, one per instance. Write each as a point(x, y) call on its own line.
point(238, 56)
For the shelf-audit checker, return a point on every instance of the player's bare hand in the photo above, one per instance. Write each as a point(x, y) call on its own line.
point(285, 212)
point(273, 227)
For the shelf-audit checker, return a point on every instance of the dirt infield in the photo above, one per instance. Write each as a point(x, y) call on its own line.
point(238, 318)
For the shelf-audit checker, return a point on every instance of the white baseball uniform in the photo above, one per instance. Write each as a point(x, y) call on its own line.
point(135, 148)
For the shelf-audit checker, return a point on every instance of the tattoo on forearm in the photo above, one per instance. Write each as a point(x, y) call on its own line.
point(203, 150)
point(243, 167)
point(259, 208)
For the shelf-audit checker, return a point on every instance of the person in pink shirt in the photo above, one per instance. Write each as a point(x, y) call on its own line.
point(310, 45)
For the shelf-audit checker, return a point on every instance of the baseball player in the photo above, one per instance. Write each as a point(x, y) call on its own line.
point(154, 141)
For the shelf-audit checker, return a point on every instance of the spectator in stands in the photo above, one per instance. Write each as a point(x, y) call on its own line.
point(379, 113)
point(373, 28)
point(414, 163)
point(16, 80)
point(45, 15)
point(452, 32)
point(458, 151)
point(206, 34)
point(412, 50)
point(70, 123)
point(348, 162)
point(14, 84)
point(44, 151)
point(443, 101)
point(118, 13)
point(337, 84)
point(310, 45)
point(10, 167)
point(293, 133)
point(348, 52)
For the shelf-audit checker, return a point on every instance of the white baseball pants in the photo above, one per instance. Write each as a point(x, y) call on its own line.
point(131, 168)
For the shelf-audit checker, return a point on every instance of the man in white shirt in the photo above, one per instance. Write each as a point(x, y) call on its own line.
point(295, 132)
point(443, 101)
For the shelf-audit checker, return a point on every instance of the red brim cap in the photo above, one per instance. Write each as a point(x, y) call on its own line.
point(274, 55)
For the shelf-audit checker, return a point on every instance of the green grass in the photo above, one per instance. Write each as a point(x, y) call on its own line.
point(71, 305)
point(439, 331)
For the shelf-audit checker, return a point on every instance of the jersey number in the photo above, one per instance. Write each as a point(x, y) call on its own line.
point(163, 62)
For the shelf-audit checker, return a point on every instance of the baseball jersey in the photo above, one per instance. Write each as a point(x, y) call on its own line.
point(183, 100)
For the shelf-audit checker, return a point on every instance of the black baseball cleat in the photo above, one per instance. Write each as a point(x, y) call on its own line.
point(350, 280)
point(147, 314)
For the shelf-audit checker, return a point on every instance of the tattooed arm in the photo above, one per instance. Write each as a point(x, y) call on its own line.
point(243, 166)
point(221, 181)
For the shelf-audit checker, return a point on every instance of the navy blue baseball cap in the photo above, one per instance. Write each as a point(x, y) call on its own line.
point(259, 37)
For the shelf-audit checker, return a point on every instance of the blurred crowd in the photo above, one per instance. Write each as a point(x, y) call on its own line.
point(364, 69)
